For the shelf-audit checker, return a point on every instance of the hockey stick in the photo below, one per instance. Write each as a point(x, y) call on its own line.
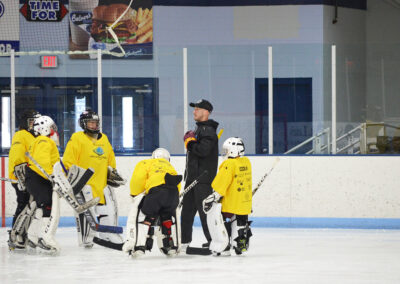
point(70, 199)
point(9, 180)
point(81, 200)
point(187, 189)
point(265, 176)
point(116, 246)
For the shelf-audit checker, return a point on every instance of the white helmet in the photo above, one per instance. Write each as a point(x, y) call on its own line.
point(233, 147)
point(161, 153)
point(44, 125)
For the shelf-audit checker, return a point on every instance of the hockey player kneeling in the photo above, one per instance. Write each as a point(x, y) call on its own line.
point(155, 189)
point(233, 185)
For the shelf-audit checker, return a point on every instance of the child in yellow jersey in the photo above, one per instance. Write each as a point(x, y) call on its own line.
point(16, 170)
point(157, 179)
point(44, 151)
point(91, 149)
point(233, 184)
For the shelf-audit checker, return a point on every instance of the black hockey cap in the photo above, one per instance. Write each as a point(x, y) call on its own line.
point(203, 104)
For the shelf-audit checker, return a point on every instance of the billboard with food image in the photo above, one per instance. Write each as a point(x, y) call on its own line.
point(116, 26)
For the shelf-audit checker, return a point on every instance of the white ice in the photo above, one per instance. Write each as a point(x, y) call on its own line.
point(275, 256)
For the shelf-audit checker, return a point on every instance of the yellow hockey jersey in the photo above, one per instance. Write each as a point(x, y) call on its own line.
point(86, 153)
point(233, 181)
point(19, 146)
point(150, 173)
point(44, 151)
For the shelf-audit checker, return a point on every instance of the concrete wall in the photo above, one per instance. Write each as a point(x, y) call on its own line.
point(301, 187)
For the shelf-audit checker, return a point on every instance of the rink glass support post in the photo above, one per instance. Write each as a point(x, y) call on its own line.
point(3, 193)
point(12, 88)
point(185, 94)
point(334, 99)
point(270, 104)
point(99, 89)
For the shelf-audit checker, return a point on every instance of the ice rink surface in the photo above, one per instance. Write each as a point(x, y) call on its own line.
point(275, 256)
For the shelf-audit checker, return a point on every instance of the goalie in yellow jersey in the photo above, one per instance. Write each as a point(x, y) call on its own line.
point(233, 184)
point(155, 190)
point(91, 149)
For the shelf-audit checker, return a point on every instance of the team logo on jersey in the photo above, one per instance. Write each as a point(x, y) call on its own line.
point(99, 151)
point(1, 9)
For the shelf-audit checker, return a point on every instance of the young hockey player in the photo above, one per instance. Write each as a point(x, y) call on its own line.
point(91, 149)
point(44, 151)
point(156, 180)
point(233, 183)
point(16, 170)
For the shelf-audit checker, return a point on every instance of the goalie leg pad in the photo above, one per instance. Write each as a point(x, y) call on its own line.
point(49, 227)
point(219, 235)
point(140, 236)
point(108, 215)
point(167, 237)
point(18, 233)
point(241, 234)
point(34, 228)
point(145, 234)
point(85, 232)
point(131, 224)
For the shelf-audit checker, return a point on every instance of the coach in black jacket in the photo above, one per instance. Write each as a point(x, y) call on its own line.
point(202, 154)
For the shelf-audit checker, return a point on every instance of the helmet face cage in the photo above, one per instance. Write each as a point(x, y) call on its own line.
point(27, 119)
point(89, 116)
point(233, 147)
point(44, 125)
point(161, 153)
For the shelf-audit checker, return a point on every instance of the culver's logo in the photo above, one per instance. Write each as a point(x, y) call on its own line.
point(79, 18)
point(1, 9)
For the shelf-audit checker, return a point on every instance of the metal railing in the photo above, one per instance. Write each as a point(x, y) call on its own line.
point(318, 143)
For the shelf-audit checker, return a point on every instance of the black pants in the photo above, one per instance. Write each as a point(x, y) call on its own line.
point(22, 201)
point(41, 190)
point(161, 201)
point(192, 203)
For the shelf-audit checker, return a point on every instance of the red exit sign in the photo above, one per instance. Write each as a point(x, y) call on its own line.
point(48, 61)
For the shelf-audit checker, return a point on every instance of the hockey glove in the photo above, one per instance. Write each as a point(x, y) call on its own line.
point(190, 136)
point(209, 201)
point(114, 179)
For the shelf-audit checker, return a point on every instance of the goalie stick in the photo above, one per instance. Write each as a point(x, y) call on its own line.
point(77, 188)
point(116, 246)
point(70, 199)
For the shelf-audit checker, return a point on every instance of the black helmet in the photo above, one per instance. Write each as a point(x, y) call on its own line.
point(27, 118)
point(86, 116)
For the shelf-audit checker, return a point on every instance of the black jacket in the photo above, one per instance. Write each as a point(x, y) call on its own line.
point(203, 153)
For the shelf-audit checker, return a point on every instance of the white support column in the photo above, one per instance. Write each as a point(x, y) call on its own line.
point(99, 89)
point(185, 93)
point(12, 95)
point(333, 99)
point(270, 104)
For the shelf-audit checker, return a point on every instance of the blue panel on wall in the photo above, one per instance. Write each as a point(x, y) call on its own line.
point(292, 113)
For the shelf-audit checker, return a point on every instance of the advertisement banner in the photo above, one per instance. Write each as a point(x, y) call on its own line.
point(111, 25)
point(9, 25)
point(43, 10)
